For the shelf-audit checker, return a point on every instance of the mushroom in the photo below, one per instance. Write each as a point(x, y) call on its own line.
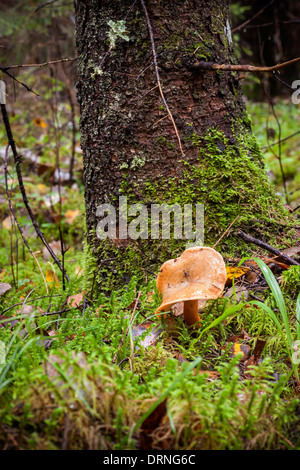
point(197, 275)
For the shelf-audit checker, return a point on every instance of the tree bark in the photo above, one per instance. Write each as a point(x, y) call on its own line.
point(130, 144)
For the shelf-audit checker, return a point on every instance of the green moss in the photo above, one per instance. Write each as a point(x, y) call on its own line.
point(291, 281)
point(228, 179)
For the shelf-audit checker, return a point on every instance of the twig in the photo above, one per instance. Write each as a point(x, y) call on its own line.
point(202, 65)
point(23, 191)
point(222, 236)
point(280, 141)
point(253, 17)
point(43, 64)
point(158, 78)
point(267, 247)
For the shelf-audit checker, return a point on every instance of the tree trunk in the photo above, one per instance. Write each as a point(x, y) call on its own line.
point(199, 150)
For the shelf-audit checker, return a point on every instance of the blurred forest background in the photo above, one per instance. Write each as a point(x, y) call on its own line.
point(46, 127)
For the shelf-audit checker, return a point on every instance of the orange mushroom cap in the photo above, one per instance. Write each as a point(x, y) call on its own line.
point(198, 274)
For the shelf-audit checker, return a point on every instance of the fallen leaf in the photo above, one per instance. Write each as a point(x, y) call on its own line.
point(4, 287)
point(241, 293)
point(254, 359)
point(275, 266)
point(240, 348)
point(76, 300)
point(25, 310)
point(70, 215)
point(52, 333)
point(259, 347)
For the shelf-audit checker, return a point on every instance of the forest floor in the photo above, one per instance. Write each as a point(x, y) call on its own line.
point(80, 371)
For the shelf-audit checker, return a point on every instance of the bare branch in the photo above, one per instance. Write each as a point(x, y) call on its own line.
point(201, 65)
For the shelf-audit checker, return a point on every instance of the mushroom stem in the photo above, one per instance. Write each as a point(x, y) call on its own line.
point(190, 312)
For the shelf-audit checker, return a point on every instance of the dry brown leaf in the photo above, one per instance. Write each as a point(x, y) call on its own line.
point(4, 287)
point(52, 332)
point(76, 300)
point(25, 310)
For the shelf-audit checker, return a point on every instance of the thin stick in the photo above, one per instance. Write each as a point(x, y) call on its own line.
point(23, 191)
point(16, 220)
point(158, 78)
point(43, 64)
point(267, 247)
point(241, 68)
point(44, 5)
point(222, 236)
point(256, 15)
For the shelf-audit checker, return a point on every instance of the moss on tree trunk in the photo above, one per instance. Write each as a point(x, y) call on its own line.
point(130, 145)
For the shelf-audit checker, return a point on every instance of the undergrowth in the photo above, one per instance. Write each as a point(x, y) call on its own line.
point(78, 369)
